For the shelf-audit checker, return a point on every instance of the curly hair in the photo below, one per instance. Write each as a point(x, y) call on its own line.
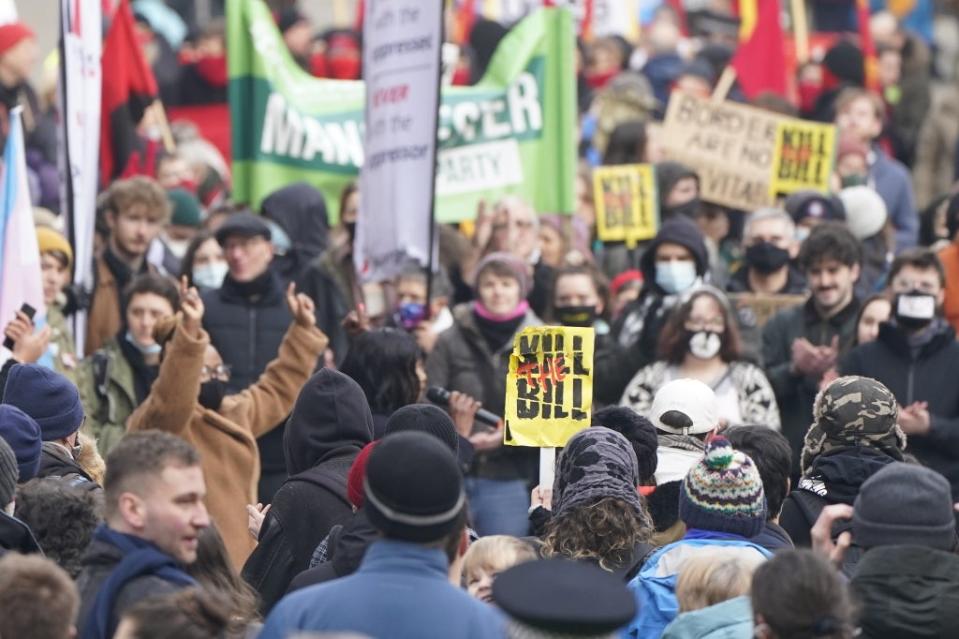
point(62, 518)
point(606, 531)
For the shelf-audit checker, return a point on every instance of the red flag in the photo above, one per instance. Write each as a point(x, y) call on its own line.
point(870, 60)
point(128, 89)
point(760, 62)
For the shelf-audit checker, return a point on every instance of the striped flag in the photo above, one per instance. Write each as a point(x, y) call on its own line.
point(19, 254)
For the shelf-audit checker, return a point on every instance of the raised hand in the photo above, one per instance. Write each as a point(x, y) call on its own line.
point(192, 308)
point(356, 322)
point(301, 307)
point(28, 346)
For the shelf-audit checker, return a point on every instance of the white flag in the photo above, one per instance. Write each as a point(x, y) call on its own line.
point(402, 40)
point(80, 89)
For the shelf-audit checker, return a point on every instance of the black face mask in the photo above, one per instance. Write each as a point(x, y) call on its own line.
point(582, 316)
point(766, 257)
point(212, 394)
point(914, 310)
point(689, 209)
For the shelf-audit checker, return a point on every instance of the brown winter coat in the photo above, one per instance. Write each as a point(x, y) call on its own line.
point(226, 439)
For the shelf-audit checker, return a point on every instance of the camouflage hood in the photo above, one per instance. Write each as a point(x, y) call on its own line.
point(854, 411)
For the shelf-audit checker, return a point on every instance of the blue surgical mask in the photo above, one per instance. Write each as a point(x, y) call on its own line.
point(152, 349)
point(675, 276)
point(210, 275)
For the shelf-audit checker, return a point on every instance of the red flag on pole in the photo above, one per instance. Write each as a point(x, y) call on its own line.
point(870, 61)
point(128, 89)
point(760, 62)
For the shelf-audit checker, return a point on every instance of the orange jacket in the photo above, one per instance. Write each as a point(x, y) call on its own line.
point(949, 257)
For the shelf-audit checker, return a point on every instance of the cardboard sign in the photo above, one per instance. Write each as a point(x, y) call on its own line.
point(549, 389)
point(756, 309)
point(730, 146)
point(804, 157)
point(627, 207)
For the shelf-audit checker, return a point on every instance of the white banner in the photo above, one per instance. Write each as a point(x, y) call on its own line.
point(402, 40)
point(80, 91)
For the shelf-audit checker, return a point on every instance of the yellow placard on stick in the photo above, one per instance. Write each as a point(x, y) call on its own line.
point(804, 157)
point(627, 209)
point(549, 389)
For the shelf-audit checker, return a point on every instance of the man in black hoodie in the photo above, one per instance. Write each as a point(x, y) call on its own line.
point(247, 318)
point(330, 423)
point(854, 436)
point(673, 263)
point(916, 355)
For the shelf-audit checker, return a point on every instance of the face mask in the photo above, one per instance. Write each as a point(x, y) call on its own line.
point(854, 180)
point(689, 209)
point(212, 394)
point(152, 349)
point(410, 315)
point(279, 238)
point(675, 277)
point(914, 309)
point(178, 247)
point(210, 275)
point(704, 344)
point(766, 257)
point(582, 316)
point(802, 232)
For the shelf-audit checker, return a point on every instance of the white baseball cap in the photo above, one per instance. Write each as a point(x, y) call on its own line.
point(693, 400)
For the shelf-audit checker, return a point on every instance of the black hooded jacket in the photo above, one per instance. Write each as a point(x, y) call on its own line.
point(835, 478)
point(348, 544)
point(329, 425)
point(643, 318)
point(907, 592)
point(16, 536)
point(300, 210)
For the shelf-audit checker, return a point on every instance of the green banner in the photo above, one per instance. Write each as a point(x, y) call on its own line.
point(512, 133)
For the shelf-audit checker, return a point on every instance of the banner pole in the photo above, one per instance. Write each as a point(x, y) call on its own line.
point(800, 30)
point(547, 467)
point(724, 85)
point(436, 144)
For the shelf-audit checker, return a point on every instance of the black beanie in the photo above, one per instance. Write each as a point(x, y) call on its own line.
point(424, 418)
point(638, 430)
point(414, 488)
point(844, 60)
point(904, 504)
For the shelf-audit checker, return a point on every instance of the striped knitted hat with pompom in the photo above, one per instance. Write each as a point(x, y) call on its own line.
point(723, 492)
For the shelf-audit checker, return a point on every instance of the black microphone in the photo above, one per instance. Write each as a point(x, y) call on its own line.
point(441, 396)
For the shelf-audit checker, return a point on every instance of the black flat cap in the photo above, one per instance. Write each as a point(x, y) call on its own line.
point(562, 596)
point(243, 225)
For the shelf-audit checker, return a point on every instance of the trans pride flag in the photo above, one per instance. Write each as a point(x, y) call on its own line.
point(19, 255)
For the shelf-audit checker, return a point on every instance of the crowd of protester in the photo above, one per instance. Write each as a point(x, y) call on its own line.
point(245, 447)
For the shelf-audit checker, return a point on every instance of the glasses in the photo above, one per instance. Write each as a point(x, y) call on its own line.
point(221, 372)
point(715, 325)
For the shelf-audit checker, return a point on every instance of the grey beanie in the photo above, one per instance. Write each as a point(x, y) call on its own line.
point(9, 472)
point(904, 504)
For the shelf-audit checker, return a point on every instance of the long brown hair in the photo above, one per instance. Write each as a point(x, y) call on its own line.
point(673, 341)
point(213, 570)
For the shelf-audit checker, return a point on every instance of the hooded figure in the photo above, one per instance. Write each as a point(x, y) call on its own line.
point(300, 211)
point(329, 425)
point(643, 318)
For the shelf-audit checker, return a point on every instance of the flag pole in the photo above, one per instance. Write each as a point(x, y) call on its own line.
point(725, 83)
point(436, 144)
point(169, 144)
point(800, 30)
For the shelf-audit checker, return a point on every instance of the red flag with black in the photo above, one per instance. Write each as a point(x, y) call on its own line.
point(128, 89)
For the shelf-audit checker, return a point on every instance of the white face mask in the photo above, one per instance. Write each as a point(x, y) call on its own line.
point(705, 344)
point(178, 247)
point(210, 275)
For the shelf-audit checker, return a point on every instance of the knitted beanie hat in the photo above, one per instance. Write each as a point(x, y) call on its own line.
point(723, 492)
point(8, 474)
point(22, 434)
point(507, 261)
point(597, 462)
point(905, 504)
point(638, 431)
point(425, 418)
point(48, 397)
point(853, 411)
